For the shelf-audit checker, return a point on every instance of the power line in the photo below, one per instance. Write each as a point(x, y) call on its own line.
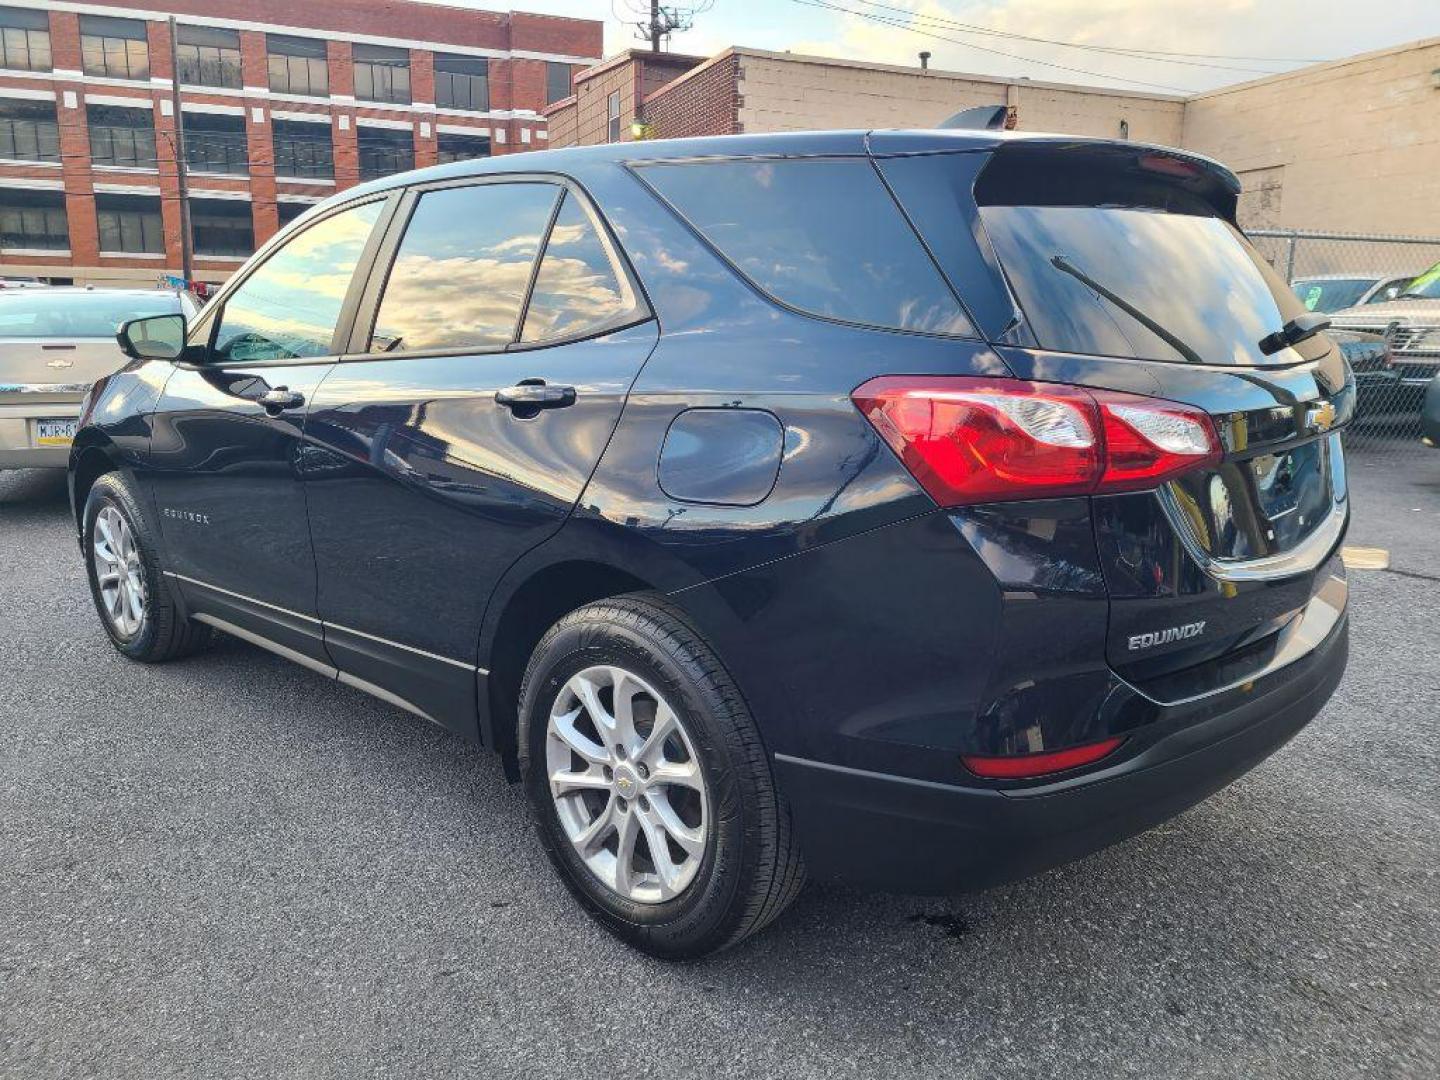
point(823, 4)
point(655, 22)
point(1135, 51)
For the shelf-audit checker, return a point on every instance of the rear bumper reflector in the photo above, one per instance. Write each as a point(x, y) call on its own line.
point(1025, 766)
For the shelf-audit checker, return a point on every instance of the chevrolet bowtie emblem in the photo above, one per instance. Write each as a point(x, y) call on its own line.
point(60, 362)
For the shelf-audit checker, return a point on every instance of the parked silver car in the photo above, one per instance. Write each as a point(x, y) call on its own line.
point(1411, 323)
point(55, 342)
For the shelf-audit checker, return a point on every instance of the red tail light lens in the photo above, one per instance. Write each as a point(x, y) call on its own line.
point(1026, 766)
point(975, 440)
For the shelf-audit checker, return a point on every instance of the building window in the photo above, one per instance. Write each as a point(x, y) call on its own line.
point(382, 74)
point(289, 211)
point(208, 56)
point(33, 219)
point(24, 40)
point(462, 82)
point(130, 223)
point(121, 136)
point(215, 143)
point(114, 48)
point(221, 227)
point(28, 131)
point(612, 117)
point(452, 147)
point(384, 151)
point(302, 149)
point(557, 82)
point(297, 66)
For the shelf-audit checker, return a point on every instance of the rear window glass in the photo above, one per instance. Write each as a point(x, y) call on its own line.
point(821, 235)
point(1331, 294)
point(1137, 282)
point(41, 313)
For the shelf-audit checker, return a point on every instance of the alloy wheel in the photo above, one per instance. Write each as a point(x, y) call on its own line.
point(118, 573)
point(627, 786)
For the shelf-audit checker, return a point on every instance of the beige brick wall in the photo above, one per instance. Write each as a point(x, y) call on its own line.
point(782, 92)
point(591, 96)
point(1358, 140)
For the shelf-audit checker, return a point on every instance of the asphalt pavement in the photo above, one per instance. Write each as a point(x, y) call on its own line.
point(229, 867)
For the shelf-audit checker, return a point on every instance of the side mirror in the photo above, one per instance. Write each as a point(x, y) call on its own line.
point(158, 337)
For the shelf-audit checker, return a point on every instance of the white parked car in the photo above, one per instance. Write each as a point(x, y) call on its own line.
point(55, 342)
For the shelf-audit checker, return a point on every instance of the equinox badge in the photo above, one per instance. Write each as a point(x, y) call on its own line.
point(1166, 636)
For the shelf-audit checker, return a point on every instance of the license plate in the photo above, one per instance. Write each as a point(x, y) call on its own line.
point(55, 432)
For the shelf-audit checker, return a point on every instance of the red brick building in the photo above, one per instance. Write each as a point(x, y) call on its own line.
point(284, 103)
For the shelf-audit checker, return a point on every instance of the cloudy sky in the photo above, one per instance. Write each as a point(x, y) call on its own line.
point(1245, 37)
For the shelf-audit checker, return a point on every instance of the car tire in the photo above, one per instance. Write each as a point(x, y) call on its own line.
point(118, 537)
point(749, 868)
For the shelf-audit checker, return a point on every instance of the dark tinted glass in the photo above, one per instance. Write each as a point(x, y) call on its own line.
point(1112, 281)
point(557, 81)
point(577, 289)
point(463, 266)
point(820, 235)
point(288, 308)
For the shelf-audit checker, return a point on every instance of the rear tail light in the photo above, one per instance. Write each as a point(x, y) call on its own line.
point(976, 440)
point(1026, 766)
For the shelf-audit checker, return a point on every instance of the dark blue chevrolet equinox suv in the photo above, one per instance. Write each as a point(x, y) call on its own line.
point(919, 508)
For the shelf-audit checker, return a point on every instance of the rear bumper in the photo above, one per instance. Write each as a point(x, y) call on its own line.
point(18, 446)
point(19, 442)
point(913, 836)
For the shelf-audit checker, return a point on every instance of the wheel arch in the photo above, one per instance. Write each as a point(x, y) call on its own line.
point(88, 462)
point(535, 603)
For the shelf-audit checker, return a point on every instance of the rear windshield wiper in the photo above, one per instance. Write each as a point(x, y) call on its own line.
point(1301, 328)
point(1064, 265)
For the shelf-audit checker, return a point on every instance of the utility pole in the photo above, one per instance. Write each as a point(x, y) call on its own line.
point(187, 256)
point(655, 22)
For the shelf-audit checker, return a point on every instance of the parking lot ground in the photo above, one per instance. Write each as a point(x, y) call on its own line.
point(229, 867)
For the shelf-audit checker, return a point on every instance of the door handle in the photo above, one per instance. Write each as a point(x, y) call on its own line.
point(279, 398)
point(530, 396)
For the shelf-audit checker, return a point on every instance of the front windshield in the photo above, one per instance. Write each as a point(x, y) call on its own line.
point(55, 313)
point(1424, 287)
point(1331, 294)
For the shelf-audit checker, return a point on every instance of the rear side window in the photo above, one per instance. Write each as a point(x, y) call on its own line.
point(463, 267)
point(577, 289)
point(821, 235)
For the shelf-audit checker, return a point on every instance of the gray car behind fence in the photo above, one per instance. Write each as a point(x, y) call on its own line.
point(1391, 378)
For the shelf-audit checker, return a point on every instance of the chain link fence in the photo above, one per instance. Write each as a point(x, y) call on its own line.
point(1356, 279)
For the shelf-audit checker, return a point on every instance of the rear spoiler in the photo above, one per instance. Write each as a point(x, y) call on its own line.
point(1061, 170)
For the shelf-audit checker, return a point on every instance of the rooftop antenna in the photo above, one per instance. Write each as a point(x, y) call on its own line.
point(655, 22)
